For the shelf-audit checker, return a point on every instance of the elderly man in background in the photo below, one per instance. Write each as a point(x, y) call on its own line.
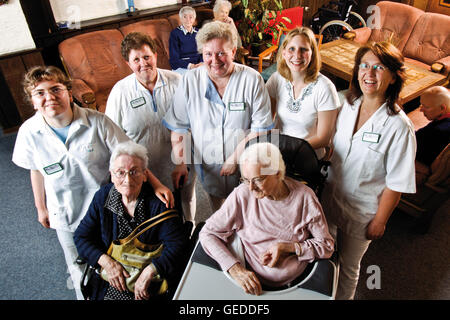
point(434, 137)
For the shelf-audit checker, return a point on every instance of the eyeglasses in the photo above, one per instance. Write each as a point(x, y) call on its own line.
point(258, 181)
point(376, 67)
point(121, 174)
point(55, 91)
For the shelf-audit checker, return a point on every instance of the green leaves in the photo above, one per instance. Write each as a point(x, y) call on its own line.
point(259, 19)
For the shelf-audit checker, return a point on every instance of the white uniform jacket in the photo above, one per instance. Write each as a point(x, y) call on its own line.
point(139, 113)
point(73, 171)
point(380, 154)
point(218, 124)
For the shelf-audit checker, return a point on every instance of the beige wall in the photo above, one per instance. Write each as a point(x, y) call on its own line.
point(15, 35)
point(81, 10)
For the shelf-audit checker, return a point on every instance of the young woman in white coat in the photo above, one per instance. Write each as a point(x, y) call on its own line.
point(373, 159)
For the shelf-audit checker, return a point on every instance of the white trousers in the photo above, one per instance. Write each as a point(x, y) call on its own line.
point(70, 254)
point(350, 251)
point(189, 198)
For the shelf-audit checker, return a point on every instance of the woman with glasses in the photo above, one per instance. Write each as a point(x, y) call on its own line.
point(304, 101)
point(116, 210)
point(279, 222)
point(65, 147)
point(373, 159)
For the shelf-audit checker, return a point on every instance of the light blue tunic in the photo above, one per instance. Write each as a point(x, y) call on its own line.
point(218, 124)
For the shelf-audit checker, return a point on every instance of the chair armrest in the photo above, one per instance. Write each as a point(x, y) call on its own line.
point(264, 54)
point(441, 65)
point(349, 35)
point(435, 188)
point(241, 55)
point(437, 67)
point(362, 35)
point(83, 94)
point(440, 169)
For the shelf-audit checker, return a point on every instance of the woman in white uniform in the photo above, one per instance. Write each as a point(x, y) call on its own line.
point(67, 149)
point(219, 103)
point(304, 102)
point(373, 159)
point(137, 104)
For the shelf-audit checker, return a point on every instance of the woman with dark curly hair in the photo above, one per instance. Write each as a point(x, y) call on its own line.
point(373, 159)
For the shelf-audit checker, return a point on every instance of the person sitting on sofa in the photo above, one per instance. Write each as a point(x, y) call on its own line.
point(183, 54)
point(433, 138)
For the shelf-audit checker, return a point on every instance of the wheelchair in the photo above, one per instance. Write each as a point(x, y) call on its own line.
point(203, 278)
point(91, 280)
point(335, 19)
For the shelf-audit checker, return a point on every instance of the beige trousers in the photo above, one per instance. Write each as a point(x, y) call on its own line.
point(350, 251)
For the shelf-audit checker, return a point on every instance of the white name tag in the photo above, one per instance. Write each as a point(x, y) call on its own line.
point(371, 137)
point(236, 106)
point(136, 103)
point(53, 168)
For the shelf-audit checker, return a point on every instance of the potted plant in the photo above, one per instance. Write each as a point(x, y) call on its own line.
point(258, 22)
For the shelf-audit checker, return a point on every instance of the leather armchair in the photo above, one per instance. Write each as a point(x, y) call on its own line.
point(422, 37)
point(94, 63)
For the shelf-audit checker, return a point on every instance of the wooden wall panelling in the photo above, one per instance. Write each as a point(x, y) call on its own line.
point(9, 116)
point(434, 6)
point(13, 69)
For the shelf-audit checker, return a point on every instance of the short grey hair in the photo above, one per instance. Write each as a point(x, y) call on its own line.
point(220, 3)
point(216, 30)
point(187, 9)
point(267, 155)
point(129, 148)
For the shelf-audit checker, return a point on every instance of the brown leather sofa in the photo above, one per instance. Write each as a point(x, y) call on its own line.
point(432, 192)
point(94, 62)
point(422, 37)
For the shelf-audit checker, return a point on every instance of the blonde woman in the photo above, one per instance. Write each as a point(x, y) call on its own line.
point(222, 104)
point(304, 102)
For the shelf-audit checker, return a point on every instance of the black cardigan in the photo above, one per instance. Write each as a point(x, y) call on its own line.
point(99, 228)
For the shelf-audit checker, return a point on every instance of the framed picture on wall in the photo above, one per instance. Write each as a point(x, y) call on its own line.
point(445, 3)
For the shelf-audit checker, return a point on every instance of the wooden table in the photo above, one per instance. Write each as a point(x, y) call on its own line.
point(338, 59)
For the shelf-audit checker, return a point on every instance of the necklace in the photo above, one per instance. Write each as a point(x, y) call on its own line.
point(294, 105)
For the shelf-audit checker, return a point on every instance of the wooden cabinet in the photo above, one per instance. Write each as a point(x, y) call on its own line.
point(13, 109)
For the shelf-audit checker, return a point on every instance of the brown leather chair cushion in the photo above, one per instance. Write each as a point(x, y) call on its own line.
point(397, 19)
point(430, 38)
point(95, 57)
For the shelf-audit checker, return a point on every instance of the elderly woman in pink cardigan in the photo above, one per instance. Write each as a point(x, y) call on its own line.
point(279, 221)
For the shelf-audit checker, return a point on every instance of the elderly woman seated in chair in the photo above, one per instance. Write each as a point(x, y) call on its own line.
point(115, 211)
point(279, 221)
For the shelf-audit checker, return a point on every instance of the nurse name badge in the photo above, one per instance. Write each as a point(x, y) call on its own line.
point(371, 137)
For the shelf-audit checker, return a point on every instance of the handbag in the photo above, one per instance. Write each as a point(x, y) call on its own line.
point(134, 255)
